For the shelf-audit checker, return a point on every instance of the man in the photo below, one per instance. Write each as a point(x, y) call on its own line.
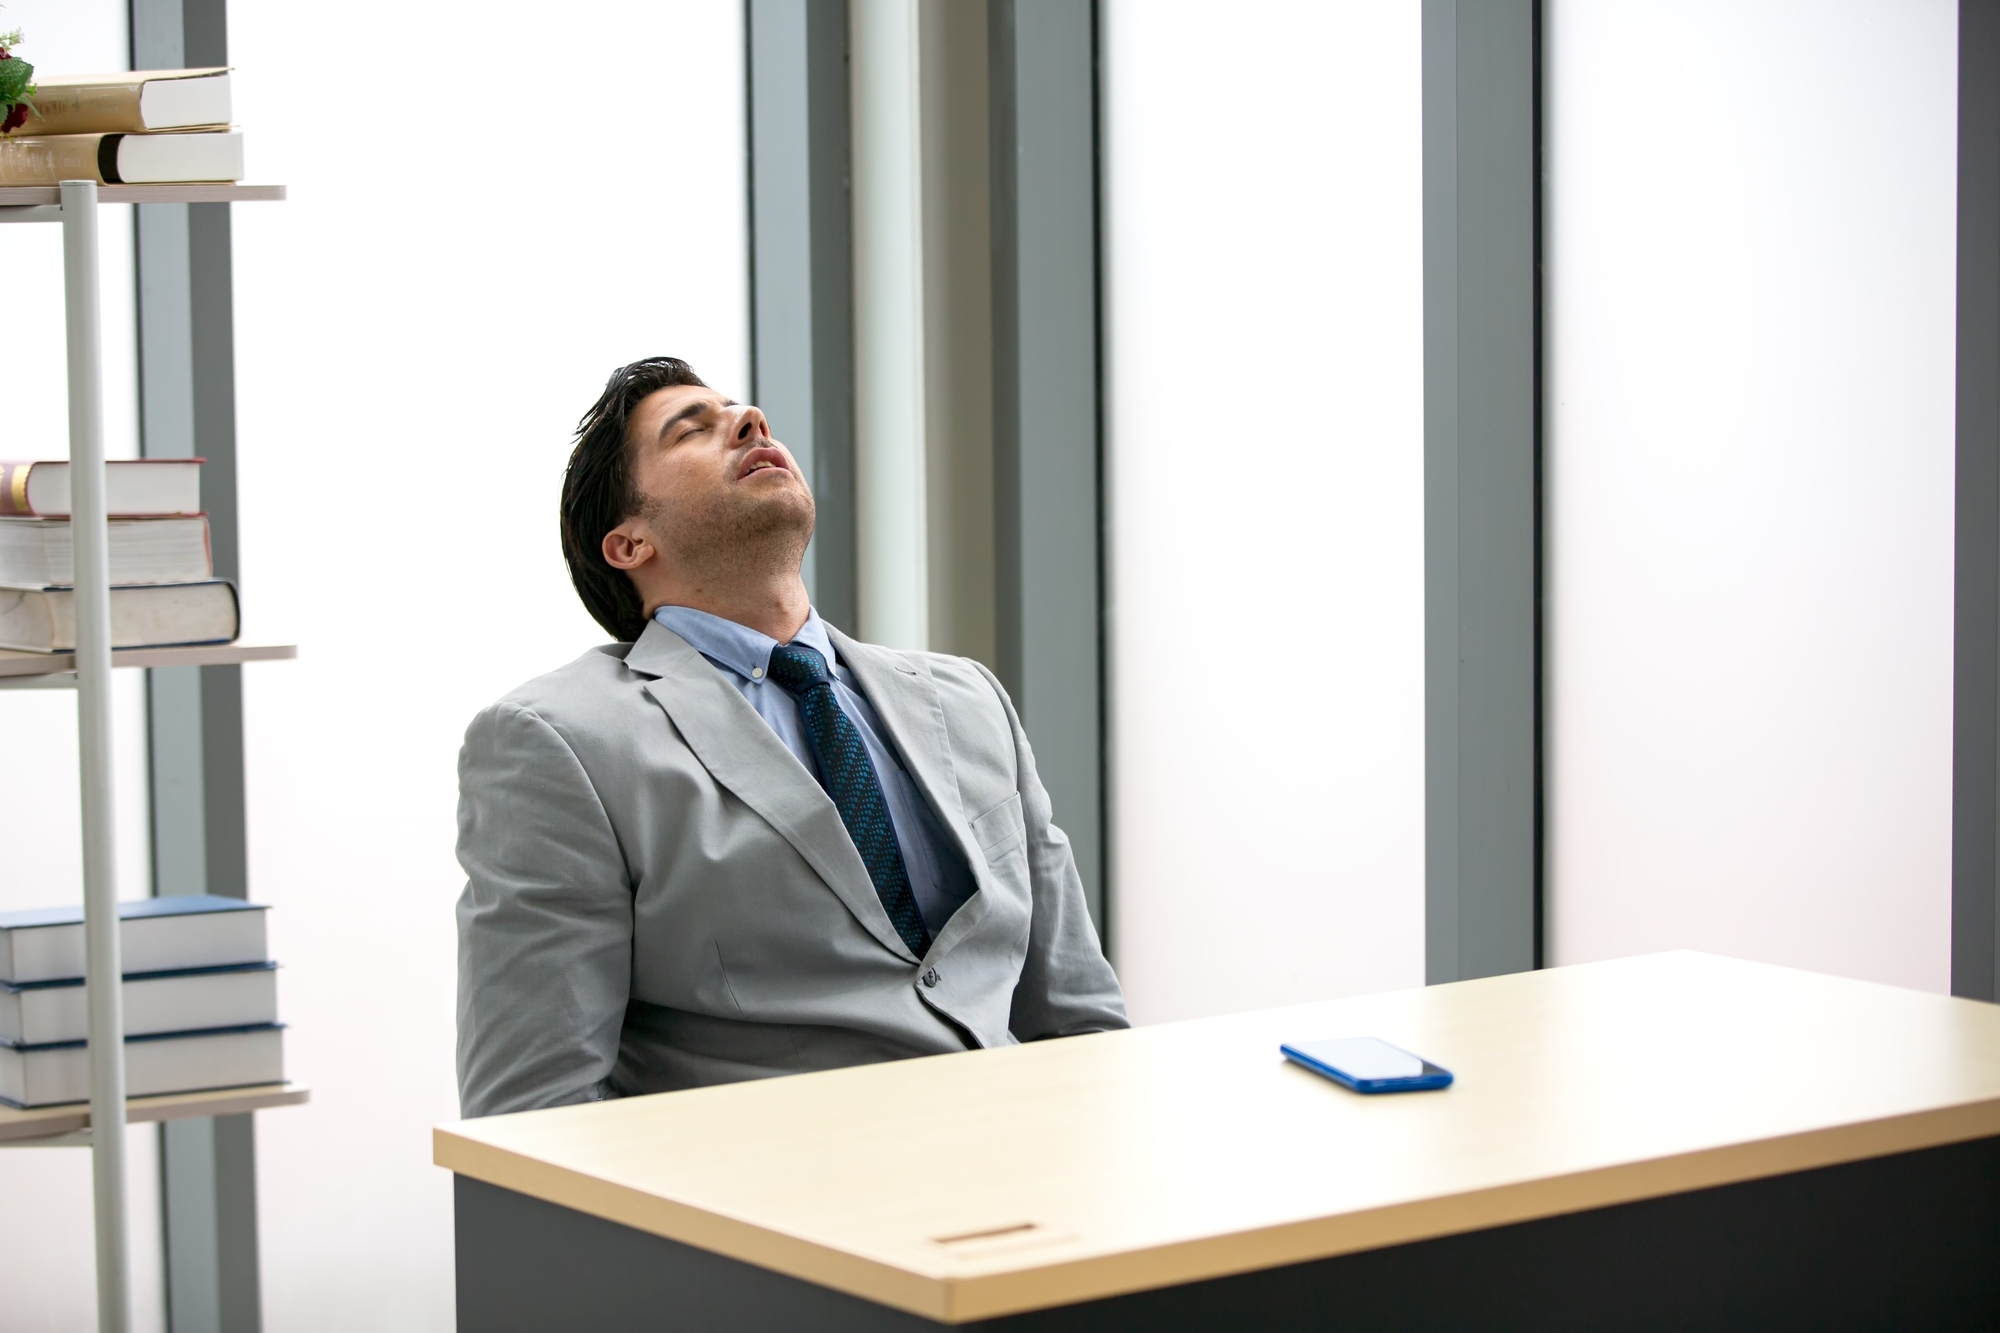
point(737, 843)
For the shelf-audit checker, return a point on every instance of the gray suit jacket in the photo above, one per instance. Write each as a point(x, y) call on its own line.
point(660, 896)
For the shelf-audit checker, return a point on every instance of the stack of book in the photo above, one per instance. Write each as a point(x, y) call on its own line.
point(200, 997)
point(163, 592)
point(144, 127)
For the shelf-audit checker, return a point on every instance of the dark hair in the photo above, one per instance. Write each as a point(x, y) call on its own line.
point(598, 494)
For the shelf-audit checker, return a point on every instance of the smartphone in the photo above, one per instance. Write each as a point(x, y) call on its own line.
point(1367, 1064)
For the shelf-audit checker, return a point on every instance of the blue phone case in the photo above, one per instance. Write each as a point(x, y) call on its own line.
point(1321, 1062)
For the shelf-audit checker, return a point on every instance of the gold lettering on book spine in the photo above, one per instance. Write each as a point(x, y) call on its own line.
point(14, 489)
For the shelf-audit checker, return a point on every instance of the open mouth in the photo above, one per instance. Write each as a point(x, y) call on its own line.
point(761, 460)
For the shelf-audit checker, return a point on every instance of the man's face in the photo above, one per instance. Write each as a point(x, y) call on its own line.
point(716, 486)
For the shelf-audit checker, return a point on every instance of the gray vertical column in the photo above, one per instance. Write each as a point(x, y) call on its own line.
point(1045, 395)
point(957, 183)
point(801, 267)
point(1481, 488)
point(195, 714)
point(187, 409)
point(1975, 784)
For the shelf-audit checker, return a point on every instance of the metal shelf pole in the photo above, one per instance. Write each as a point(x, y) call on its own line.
point(102, 967)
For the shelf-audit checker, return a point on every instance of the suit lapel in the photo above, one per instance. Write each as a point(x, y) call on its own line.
point(741, 752)
point(906, 699)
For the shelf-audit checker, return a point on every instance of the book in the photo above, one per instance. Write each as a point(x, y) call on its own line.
point(38, 552)
point(132, 487)
point(39, 1013)
point(159, 1063)
point(122, 159)
point(133, 101)
point(154, 935)
point(146, 615)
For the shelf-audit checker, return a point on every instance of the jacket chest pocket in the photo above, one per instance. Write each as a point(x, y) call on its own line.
point(1001, 833)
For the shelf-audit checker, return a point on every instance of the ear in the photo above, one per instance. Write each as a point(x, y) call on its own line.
point(629, 545)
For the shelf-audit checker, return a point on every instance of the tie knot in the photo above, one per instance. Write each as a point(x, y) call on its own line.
point(798, 668)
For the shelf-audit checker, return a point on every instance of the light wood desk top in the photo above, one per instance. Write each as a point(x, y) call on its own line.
point(969, 1186)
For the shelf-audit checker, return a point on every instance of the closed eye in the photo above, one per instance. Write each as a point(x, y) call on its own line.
point(692, 420)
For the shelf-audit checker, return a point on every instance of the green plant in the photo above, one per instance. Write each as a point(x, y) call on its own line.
point(17, 87)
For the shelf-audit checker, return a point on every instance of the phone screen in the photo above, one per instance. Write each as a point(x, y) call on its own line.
point(1363, 1058)
point(1368, 1064)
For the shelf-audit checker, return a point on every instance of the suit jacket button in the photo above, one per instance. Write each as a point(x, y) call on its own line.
point(931, 978)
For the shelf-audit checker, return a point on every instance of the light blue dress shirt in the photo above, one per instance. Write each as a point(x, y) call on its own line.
point(939, 877)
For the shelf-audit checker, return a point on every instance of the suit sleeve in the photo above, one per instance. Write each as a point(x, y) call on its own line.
point(1067, 986)
point(544, 924)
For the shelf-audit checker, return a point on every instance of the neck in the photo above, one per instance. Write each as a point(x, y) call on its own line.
point(776, 605)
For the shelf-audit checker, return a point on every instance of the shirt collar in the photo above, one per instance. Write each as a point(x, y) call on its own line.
point(741, 649)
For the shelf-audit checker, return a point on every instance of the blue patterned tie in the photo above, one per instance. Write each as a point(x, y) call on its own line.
point(849, 778)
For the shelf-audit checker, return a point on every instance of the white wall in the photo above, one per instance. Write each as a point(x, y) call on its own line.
point(47, 1260)
point(418, 330)
point(1264, 382)
point(1749, 407)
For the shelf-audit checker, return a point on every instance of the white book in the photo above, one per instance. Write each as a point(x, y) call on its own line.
point(33, 1076)
point(132, 487)
point(153, 159)
point(154, 935)
point(144, 615)
point(130, 100)
point(35, 552)
point(37, 1013)
point(121, 159)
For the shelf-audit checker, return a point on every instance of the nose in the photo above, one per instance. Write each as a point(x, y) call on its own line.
point(751, 425)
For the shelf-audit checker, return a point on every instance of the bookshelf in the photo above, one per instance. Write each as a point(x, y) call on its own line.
point(32, 670)
point(74, 206)
point(32, 1128)
point(14, 196)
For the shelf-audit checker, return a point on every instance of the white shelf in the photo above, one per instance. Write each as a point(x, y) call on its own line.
point(24, 196)
point(49, 1122)
point(73, 206)
point(14, 664)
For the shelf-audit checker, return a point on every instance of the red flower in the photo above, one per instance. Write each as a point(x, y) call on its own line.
point(17, 116)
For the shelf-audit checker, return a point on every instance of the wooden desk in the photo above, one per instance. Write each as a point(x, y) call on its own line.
point(1078, 1179)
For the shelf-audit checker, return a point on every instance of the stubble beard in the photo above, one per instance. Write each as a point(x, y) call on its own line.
point(728, 537)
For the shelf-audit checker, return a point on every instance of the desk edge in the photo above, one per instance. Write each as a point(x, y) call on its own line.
point(706, 1229)
point(983, 1295)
